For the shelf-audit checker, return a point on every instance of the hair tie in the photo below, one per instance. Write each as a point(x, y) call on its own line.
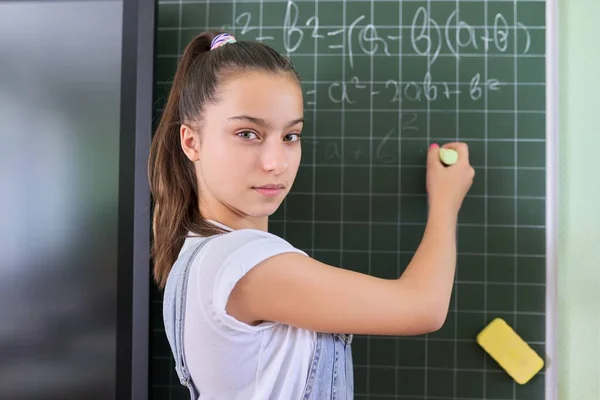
point(221, 39)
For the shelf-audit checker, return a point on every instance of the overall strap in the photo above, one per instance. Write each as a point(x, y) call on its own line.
point(174, 302)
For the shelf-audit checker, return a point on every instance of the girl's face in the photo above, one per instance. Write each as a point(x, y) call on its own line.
point(248, 152)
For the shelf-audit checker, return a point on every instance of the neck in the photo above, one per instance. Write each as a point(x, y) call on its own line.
point(234, 219)
point(236, 222)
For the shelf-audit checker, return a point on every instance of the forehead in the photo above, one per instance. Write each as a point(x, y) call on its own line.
point(274, 96)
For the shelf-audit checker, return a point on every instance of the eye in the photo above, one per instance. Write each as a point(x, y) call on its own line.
point(292, 137)
point(247, 135)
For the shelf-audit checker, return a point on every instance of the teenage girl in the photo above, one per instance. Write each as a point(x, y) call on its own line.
point(247, 315)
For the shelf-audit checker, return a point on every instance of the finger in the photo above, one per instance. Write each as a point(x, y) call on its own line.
point(433, 156)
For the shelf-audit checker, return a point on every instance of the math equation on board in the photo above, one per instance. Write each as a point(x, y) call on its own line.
point(427, 41)
point(376, 72)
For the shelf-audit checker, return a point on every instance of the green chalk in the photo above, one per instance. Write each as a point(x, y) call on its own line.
point(448, 156)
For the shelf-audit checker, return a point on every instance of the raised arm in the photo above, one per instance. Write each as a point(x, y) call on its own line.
point(300, 291)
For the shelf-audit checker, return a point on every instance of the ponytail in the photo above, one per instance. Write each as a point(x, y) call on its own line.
point(171, 174)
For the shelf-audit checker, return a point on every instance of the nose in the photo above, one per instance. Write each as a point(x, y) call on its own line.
point(274, 157)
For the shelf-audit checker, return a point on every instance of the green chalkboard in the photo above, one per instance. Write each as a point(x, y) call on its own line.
point(382, 80)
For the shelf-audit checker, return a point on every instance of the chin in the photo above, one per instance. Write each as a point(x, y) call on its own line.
point(263, 210)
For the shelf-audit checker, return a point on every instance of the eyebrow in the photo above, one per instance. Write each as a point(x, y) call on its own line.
point(262, 122)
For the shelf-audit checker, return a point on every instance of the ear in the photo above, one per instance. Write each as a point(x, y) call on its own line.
point(189, 142)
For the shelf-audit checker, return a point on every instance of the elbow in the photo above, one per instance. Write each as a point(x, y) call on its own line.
point(422, 310)
point(434, 317)
point(436, 320)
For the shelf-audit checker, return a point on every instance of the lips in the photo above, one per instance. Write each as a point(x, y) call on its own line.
point(271, 190)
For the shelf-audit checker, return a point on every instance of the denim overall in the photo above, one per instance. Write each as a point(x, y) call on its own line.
point(330, 376)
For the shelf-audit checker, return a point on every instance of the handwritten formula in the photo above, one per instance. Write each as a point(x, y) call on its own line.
point(426, 37)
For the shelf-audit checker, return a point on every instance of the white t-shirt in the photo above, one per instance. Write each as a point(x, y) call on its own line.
point(229, 359)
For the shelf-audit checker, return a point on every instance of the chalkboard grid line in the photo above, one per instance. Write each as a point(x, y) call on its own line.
point(408, 223)
point(420, 139)
point(308, 82)
point(410, 252)
point(342, 128)
point(486, 134)
point(395, 367)
point(314, 158)
point(516, 187)
point(418, 368)
point(359, 55)
point(399, 231)
point(440, 111)
point(426, 380)
point(407, 338)
point(365, 396)
point(333, 26)
point(384, 166)
point(285, 203)
point(369, 396)
point(179, 54)
point(418, 110)
point(383, 83)
point(160, 2)
point(369, 267)
point(401, 195)
point(456, 292)
point(207, 23)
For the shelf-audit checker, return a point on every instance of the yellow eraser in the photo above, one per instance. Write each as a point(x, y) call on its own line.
point(507, 348)
point(448, 156)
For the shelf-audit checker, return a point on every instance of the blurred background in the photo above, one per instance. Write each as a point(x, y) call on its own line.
point(61, 119)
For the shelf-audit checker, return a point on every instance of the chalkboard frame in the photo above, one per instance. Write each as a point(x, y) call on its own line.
point(552, 139)
point(133, 284)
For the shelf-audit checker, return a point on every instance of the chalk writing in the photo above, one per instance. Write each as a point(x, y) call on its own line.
point(368, 39)
point(422, 42)
point(357, 150)
point(428, 38)
point(427, 90)
point(245, 26)
point(382, 151)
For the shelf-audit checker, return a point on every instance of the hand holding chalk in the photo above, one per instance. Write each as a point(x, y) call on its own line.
point(447, 187)
point(448, 156)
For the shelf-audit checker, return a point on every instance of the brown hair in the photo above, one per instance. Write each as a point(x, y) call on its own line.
point(171, 174)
